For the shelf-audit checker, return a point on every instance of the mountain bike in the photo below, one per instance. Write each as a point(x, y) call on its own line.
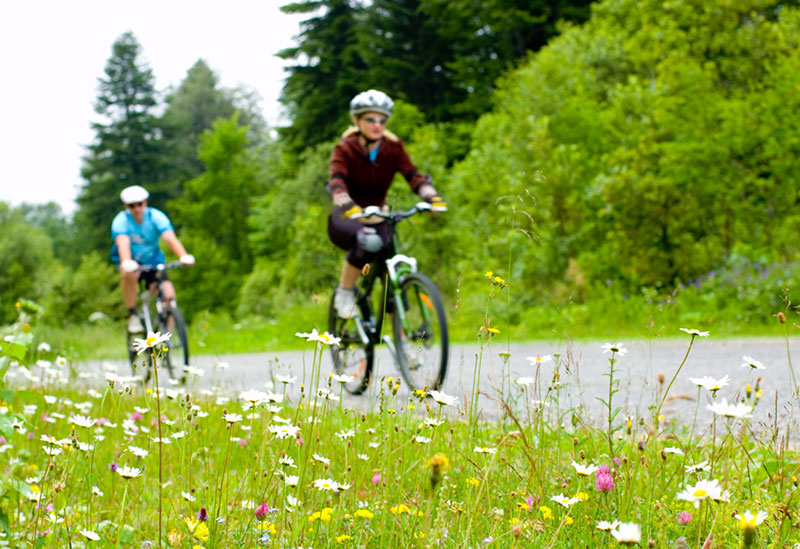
point(392, 286)
point(159, 314)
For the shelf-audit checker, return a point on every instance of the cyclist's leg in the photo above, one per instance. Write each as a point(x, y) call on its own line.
point(167, 289)
point(129, 282)
point(361, 242)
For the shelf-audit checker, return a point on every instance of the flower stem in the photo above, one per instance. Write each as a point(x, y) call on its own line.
point(610, 408)
point(663, 398)
point(160, 448)
point(789, 358)
point(122, 511)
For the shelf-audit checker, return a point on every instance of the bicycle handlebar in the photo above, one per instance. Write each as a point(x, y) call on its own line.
point(161, 267)
point(397, 215)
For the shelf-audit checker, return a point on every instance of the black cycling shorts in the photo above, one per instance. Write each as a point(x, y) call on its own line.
point(344, 234)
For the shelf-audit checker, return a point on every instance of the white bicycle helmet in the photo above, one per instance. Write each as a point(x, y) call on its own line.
point(133, 194)
point(372, 101)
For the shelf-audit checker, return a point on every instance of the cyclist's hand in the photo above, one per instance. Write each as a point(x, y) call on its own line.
point(350, 210)
point(129, 266)
point(438, 204)
point(187, 260)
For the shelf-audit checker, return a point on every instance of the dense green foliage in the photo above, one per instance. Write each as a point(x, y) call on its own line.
point(647, 155)
point(441, 56)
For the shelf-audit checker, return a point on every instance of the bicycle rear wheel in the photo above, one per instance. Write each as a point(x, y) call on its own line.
point(420, 333)
point(351, 357)
point(177, 355)
point(140, 364)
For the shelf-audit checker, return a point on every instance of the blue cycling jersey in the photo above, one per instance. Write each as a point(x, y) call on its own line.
point(144, 237)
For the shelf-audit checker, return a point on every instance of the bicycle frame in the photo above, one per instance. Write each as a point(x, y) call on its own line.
point(391, 267)
point(149, 296)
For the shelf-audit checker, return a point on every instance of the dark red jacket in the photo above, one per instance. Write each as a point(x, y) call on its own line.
point(368, 182)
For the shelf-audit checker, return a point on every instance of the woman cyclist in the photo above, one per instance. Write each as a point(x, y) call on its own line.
point(362, 167)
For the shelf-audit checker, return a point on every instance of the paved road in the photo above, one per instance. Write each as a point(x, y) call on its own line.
point(582, 367)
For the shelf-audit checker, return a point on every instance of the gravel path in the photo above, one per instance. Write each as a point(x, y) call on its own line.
point(583, 369)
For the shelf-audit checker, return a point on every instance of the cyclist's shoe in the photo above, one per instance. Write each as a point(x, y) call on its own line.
point(135, 324)
point(345, 303)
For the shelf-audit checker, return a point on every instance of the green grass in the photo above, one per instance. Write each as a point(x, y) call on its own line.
point(456, 481)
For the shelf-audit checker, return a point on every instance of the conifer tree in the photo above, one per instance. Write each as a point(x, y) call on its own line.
point(127, 146)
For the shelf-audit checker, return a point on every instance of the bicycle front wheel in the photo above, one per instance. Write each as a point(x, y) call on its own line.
point(351, 357)
point(177, 355)
point(132, 356)
point(420, 333)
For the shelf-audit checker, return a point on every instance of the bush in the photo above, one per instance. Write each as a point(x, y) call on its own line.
point(92, 287)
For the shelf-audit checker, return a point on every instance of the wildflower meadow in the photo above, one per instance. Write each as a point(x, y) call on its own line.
point(95, 457)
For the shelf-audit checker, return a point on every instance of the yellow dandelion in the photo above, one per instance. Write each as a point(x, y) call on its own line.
point(365, 514)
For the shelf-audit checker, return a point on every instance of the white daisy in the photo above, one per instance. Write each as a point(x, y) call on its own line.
point(283, 431)
point(443, 399)
point(739, 410)
point(694, 332)
point(704, 489)
point(232, 418)
point(253, 396)
point(702, 466)
point(563, 500)
point(88, 534)
point(584, 470)
point(627, 533)
point(138, 452)
point(128, 472)
point(618, 348)
point(750, 362)
point(539, 359)
point(152, 341)
point(326, 484)
point(710, 383)
point(82, 421)
point(285, 379)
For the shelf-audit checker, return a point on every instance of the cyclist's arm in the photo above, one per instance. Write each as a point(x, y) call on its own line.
point(174, 244)
point(123, 243)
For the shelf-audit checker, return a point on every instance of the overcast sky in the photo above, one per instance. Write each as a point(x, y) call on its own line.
point(53, 52)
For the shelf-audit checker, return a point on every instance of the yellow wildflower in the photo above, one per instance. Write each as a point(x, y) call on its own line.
point(400, 509)
point(363, 513)
point(547, 513)
point(197, 528)
point(343, 538)
point(439, 462)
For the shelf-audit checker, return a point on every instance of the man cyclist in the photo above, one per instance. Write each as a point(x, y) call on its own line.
point(362, 167)
point(135, 232)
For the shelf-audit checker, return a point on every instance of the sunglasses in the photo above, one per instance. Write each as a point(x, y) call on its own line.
point(373, 120)
point(133, 205)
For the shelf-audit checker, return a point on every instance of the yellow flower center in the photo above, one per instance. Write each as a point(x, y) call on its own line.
point(700, 493)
